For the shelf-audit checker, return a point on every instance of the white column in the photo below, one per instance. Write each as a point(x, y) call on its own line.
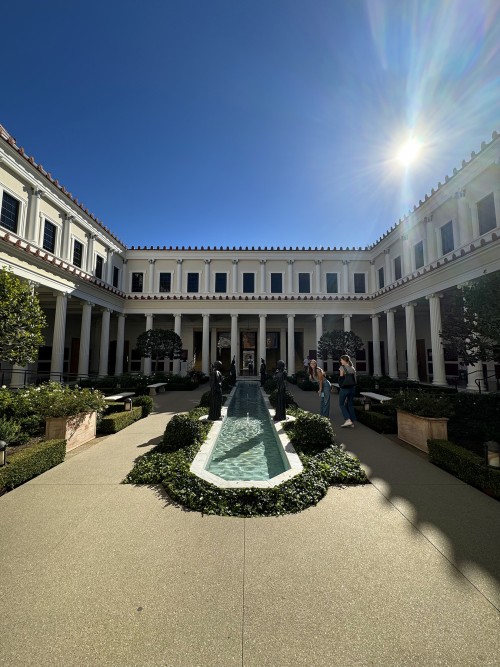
point(318, 275)
point(213, 344)
point(475, 372)
point(290, 277)
point(430, 238)
point(411, 341)
point(147, 365)
point(235, 276)
point(207, 276)
point(347, 322)
point(177, 330)
point(291, 345)
point(263, 276)
point(125, 281)
point(90, 254)
point(345, 276)
point(19, 376)
point(120, 344)
point(57, 361)
point(262, 340)
point(405, 255)
point(377, 366)
point(282, 350)
point(151, 276)
point(319, 329)
point(373, 277)
point(391, 345)
point(179, 285)
point(32, 231)
point(66, 237)
point(234, 341)
point(109, 266)
point(205, 350)
point(438, 369)
point(388, 268)
point(474, 220)
point(83, 356)
point(104, 348)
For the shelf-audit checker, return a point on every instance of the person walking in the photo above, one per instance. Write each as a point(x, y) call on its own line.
point(347, 383)
point(318, 376)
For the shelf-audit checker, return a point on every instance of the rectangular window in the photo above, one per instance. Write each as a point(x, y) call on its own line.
point(447, 244)
point(77, 253)
point(397, 268)
point(165, 282)
point(137, 282)
point(276, 283)
point(116, 276)
point(419, 255)
point(304, 283)
point(332, 283)
point(221, 282)
point(381, 282)
point(486, 214)
point(99, 264)
point(359, 283)
point(49, 237)
point(193, 282)
point(10, 213)
point(248, 283)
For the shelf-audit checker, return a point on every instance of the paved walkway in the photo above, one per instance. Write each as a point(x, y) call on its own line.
point(402, 571)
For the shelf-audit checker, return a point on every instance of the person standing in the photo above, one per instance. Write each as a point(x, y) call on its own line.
point(262, 372)
point(347, 383)
point(318, 376)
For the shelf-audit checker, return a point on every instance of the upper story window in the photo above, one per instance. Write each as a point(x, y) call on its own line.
point(447, 244)
point(332, 283)
point(165, 282)
point(193, 282)
point(137, 281)
point(397, 268)
point(49, 237)
point(419, 255)
point(99, 265)
point(116, 276)
point(486, 214)
point(10, 213)
point(381, 282)
point(221, 282)
point(304, 283)
point(77, 253)
point(248, 283)
point(359, 283)
point(276, 283)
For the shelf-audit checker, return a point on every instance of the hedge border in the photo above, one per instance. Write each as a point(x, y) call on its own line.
point(117, 421)
point(31, 462)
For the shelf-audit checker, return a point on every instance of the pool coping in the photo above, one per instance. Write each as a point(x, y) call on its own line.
point(201, 459)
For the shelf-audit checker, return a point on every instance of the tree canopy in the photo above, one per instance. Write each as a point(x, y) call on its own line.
point(159, 344)
point(471, 320)
point(337, 342)
point(21, 320)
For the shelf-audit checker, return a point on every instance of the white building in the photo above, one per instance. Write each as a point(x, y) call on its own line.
point(246, 303)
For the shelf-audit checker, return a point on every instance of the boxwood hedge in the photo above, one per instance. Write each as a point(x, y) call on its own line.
point(30, 462)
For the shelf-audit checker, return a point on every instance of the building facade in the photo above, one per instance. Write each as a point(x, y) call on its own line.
point(246, 303)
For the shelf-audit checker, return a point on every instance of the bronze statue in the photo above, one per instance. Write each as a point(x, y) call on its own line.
point(215, 392)
point(280, 377)
point(232, 372)
point(262, 372)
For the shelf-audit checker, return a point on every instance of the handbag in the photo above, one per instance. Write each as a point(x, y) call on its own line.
point(349, 380)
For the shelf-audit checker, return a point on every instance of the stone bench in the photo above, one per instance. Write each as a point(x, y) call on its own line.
point(120, 397)
point(160, 386)
point(373, 396)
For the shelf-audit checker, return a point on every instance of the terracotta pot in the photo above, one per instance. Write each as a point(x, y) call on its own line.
point(416, 430)
point(75, 430)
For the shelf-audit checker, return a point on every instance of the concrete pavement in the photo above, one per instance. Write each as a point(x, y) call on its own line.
point(403, 571)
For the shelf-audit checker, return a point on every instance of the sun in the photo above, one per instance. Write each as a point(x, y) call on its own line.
point(409, 152)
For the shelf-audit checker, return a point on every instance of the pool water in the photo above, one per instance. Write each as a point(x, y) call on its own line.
point(247, 447)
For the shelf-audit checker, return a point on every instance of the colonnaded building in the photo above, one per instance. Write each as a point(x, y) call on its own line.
point(248, 303)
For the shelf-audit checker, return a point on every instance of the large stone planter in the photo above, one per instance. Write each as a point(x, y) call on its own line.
point(416, 430)
point(75, 430)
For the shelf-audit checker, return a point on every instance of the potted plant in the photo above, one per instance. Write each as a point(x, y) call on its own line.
point(421, 416)
point(69, 413)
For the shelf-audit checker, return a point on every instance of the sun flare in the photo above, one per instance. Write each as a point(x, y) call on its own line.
point(409, 152)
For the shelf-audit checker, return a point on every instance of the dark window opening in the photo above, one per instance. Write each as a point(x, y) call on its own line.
point(10, 213)
point(49, 237)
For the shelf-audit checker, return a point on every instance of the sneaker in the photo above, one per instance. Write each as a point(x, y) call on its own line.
point(347, 422)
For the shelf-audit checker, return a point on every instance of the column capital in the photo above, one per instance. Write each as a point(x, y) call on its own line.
point(91, 236)
point(89, 303)
point(151, 315)
point(110, 252)
point(125, 261)
point(434, 296)
point(179, 261)
point(121, 315)
point(387, 251)
point(107, 310)
point(411, 304)
point(375, 316)
point(68, 217)
point(290, 261)
point(152, 261)
point(459, 194)
point(318, 262)
point(372, 262)
point(346, 315)
point(428, 218)
point(405, 237)
point(263, 261)
point(207, 261)
point(64, 294)
point(33, 284)
point(390, 310)
point(320, 317)
point(291, 316)
point(205, 315)
point(235, 261)
point(37, 193)
point(345, 262)
point(262, 315)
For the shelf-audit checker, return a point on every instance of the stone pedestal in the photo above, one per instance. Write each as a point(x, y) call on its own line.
point(416, 430)
point(75, 430)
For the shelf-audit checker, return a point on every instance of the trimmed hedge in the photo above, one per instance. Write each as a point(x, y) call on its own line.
point(31, 462)
point(183, 431)
point(310, 432)
point(465, 465)
point(289, 399)
point(145, 402)
point(118, 420)
point(378, 421)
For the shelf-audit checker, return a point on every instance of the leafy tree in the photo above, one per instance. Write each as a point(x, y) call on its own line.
point(333, 343)
point(159, 344)
point(21, 320)
point(471, 320)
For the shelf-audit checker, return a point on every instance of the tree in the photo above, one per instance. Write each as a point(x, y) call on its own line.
point(21, 320)
point(471, 320)
point(337, 342)
point(159, 344)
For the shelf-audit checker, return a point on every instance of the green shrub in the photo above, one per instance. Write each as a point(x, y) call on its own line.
point(30, 462)
point(9, 430)
point(56, 400)
point(118, 420)
point(311, 433)
point(145, 402)
point(289, 399)
point(182, 431)
point(476, 419)
point(466, 465)
point(379, 422)
point(270, 385)
point(423, 403)
point(205, 399)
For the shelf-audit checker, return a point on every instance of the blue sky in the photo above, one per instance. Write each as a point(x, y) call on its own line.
point(263, 122)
